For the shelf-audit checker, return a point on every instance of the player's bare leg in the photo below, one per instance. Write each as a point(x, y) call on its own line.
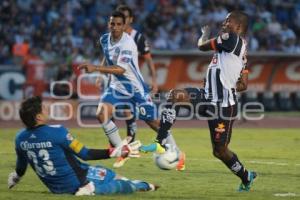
point(131, 125)
point(104, 116)
point(231, 160)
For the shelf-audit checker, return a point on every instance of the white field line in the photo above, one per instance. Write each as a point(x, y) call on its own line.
point(289, 194)
point(252, 161)
point(268, 163)
point(247, 161)
point(261, 162)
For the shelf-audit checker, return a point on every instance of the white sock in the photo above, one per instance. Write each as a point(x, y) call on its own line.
point(170, 140)
point(112, 132)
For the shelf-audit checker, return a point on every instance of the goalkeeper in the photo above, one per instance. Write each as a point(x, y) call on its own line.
point(53, 154)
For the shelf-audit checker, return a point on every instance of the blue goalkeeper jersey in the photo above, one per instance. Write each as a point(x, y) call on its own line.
point(52, 153)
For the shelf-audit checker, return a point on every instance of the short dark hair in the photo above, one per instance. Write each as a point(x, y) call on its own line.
point(118, 14)
point(29, 110)
point(123, 8)
point(242, 18)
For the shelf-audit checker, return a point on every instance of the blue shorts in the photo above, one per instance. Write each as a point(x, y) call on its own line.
point(142, 106)
point(105, 182)
point(100, 175)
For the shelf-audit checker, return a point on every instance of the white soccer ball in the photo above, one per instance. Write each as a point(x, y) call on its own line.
point(167, 160)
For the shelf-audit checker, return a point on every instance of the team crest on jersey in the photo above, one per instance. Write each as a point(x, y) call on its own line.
point(102, 173)
point(220, 128)
point(225, 36)
point(125, 59)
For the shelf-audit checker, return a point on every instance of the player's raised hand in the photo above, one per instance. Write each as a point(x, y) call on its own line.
point(204, 37)
point(205, 30)
point(89, 68)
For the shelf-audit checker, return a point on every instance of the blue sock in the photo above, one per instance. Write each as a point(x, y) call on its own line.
point(115, 187)
point(141, 185)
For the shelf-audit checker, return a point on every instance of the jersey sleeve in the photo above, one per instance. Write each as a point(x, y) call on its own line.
point(226, 42)
point(143, 45)
point(21, 162)
point(67, 141)
point(72, 144)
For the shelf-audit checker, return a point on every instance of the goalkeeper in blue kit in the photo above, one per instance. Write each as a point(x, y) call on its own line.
point(53, 154)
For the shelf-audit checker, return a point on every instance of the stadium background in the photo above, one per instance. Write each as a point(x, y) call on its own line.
point(43, 41)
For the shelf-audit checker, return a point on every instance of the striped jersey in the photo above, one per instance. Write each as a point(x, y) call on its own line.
point(225, 68)
point(124, 54)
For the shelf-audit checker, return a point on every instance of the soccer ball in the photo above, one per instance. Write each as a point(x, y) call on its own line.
point(167, 160)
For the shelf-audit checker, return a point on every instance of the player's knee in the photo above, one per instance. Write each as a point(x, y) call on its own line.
point(103, 118)
point(216, 153)
point(219, 152)
point(104, 112)
point(100, 118)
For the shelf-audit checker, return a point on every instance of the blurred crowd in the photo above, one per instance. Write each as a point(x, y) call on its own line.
point(61, 33)
point(59, 29)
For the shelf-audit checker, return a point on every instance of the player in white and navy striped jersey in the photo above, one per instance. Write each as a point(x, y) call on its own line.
point(226, 74)
point(225, 68)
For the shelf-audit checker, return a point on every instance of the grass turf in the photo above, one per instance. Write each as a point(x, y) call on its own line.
point(273, 153)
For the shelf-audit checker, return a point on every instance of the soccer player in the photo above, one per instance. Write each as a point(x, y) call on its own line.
point(144, 51)
point(226, 75)
point(127, 87)
point(53, 154)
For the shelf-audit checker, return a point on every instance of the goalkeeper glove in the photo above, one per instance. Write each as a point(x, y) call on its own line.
point(125, 150)
point(13, 179)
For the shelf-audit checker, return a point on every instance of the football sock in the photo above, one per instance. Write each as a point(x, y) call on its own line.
point(170, 140)
point(131, 128)
point(168, 117)
point(141, 185)
point(112, 132)
point(237, 168)
point(115, 187)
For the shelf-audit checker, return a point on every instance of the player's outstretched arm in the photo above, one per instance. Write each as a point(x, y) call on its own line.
point(71, 144)
point(21, 166)
point(113, 69)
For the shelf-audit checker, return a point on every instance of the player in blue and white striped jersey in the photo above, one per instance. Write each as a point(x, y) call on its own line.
point(127, 88)
point(143, 48)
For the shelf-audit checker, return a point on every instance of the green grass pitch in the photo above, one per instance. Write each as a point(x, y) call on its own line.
point(273, 153)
